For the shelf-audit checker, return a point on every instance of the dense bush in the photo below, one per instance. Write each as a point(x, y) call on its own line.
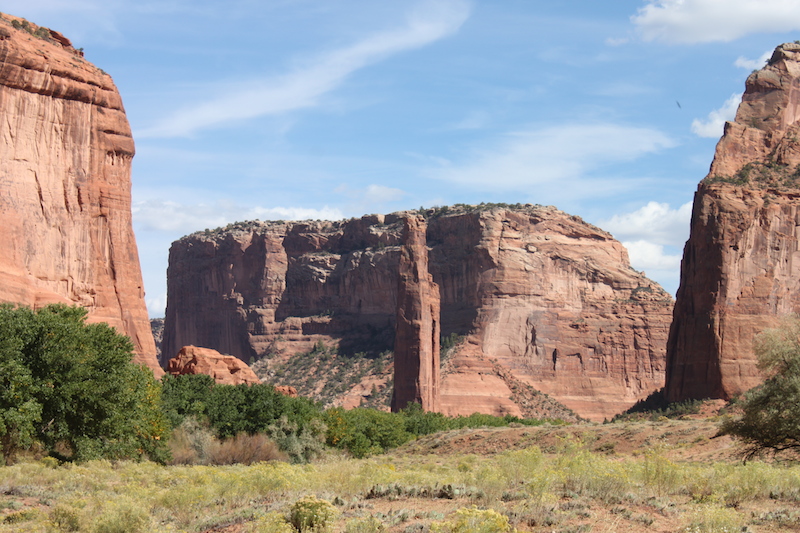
point(656, 406)
point(294, 424)
point(365, 432)
point(72, 387)
point(771, 411)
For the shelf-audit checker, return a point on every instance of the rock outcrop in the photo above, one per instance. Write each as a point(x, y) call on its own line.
point(417, 334)
point(225, 369)
point(741, 264)
point(537, 299)
point(65, 200)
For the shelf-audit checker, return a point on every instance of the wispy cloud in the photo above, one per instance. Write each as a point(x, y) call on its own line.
point(429, 21)
point(174, 217)
point(753, 64)
point(702, 21)
point(551, 154)
point(714, 125)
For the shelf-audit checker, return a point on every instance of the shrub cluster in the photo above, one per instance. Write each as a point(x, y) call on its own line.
point(365, 432)
point(294, 424)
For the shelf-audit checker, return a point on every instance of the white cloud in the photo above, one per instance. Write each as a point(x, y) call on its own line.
point(753, 64)
point(655, 223)
point(702, 21)
point(381, 194)
point(553, 154)
point(174, 217)
point(430, 21)
point(651, 257)
point(714, 125)
point(617, 41)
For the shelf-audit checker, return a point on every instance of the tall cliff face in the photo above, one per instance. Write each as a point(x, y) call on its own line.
point(417, 326)
point(741, 264)
point(541, 299)
point(65, 205)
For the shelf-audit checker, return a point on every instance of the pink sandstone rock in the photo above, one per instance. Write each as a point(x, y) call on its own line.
point(225, 369)
point(741, 265)
point(541, 299)
point(65, 199)
point(417, 334)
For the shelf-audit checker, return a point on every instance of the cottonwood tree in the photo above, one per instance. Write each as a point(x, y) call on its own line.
point(771, 411)
point(72, 387)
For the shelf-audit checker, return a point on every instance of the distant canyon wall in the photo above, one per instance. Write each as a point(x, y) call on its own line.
point(65, 185)
point(540, 299)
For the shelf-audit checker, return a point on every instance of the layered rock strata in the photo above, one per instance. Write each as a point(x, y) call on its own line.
point(417, 333)
point(537, 299)
point(65, 199)
point(225, 369)
point(741, 264)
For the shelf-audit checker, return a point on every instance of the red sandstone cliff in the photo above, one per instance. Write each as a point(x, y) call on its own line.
point(741, 264)
point(543, 301)
point(416, 342)
point(65, 205)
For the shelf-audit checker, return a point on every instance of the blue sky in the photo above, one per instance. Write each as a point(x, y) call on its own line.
point(293, 109)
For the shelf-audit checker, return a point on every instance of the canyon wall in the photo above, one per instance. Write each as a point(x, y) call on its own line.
point(538, 300)
point(65, 199)
point(741, 264)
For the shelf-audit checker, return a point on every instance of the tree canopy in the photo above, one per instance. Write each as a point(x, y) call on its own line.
point(72, 387)
point(771, 411)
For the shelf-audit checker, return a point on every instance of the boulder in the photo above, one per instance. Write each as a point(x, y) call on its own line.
point(225, 369)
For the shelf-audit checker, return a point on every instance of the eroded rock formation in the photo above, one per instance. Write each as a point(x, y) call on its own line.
point(741, 265)
point(65, 204)
point(417, 330)
point(225, 369)
point(539, 299)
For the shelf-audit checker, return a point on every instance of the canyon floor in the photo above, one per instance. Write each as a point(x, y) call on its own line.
point(640, 476)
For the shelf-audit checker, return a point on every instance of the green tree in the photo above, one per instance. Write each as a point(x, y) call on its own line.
point(186, 395)
point(75, 388)
point(771, 411)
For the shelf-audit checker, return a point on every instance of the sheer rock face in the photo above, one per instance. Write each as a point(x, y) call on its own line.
point(417, 334)
point(542, 300)
point(225, 369)
point(741, 265)
point(65, 204)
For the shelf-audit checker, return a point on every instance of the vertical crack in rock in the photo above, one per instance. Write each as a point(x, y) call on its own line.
point(416, 344)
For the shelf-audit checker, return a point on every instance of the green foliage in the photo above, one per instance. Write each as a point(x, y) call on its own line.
point(71, 384)
point(313, 515)
point(364, 432)
point(771, 411)
point(656, 406)
point(185, 396)
point(759, 174)
point(229, 410)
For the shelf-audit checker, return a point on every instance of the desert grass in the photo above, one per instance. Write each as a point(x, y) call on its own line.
point(570, 489)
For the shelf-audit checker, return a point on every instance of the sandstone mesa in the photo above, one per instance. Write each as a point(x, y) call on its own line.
point(541, 299)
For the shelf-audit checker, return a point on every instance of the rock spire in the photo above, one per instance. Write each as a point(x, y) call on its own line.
point(741, 264)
